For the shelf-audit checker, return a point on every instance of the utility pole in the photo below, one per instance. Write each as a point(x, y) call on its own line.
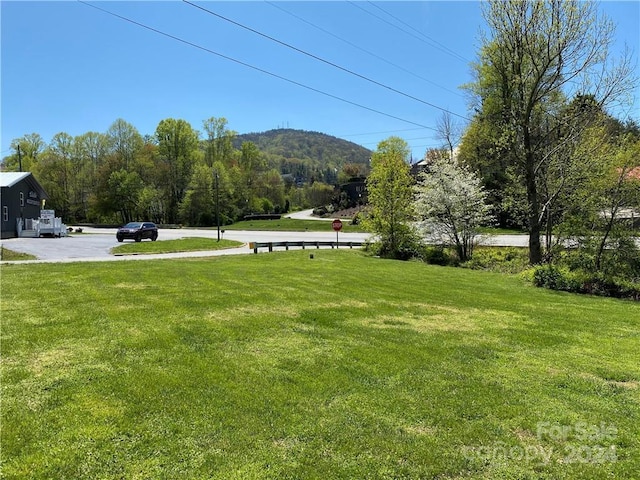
point(218, 204)
point(19, 158)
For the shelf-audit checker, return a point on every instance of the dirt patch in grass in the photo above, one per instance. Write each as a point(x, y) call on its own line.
point(43, 362)
point(626, 384)
point(421, 430)
point(630, 384)
point(424, 318)
point(253, 311)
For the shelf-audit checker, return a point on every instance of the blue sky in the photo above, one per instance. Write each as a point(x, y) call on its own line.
point(68, 67)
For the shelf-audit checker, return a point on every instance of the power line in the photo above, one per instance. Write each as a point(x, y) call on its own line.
point(363, 49)
point(320, 59)
point(449, 52)
point(405, 139)
point(378, 133)
point(239, 62)
point(425, 146)
point(437, 45)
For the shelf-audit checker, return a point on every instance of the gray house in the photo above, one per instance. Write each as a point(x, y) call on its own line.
point(21, 196)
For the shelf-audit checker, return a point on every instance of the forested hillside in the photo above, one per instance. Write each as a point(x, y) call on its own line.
point(175, 175)
point(309, 156)
point(289, 143)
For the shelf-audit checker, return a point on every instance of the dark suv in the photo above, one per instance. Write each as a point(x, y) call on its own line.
point(137, 231)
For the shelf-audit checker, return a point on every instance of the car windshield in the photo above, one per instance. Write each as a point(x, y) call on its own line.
point(132, 225)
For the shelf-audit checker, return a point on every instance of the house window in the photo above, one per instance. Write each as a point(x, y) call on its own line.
point(5, 214)
point(21, 199)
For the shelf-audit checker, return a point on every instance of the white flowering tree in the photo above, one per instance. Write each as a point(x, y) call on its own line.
point(451, 204)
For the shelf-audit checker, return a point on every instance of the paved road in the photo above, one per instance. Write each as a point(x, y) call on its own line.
point(306, 215)
point(94, 244)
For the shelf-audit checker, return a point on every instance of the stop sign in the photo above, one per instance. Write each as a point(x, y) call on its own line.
point(336, 225)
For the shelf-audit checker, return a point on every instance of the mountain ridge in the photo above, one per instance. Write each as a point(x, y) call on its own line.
point(288, 143)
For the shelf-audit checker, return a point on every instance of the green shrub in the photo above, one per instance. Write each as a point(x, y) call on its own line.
point(621, 259)
point(550, 276)
point(579, 259)
point(439, 256)
point(409, 246)
point(581, 281)
point(320, 211)
point(604, 286)
point(499, 259)
point(206, 219)
point(266, 205)
point(629, 290)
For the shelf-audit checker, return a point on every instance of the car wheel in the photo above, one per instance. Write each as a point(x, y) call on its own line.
point(120, 239)
point(154, 237)
point(138, 238)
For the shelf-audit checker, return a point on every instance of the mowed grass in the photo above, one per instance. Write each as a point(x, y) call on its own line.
point(190, 244)
point(341, 366)
point(10, 255)
point(292, 225)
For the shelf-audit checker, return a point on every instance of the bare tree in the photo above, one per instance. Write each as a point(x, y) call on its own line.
point(449, 131)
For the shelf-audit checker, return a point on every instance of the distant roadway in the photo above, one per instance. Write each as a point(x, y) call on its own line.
point(94, 244)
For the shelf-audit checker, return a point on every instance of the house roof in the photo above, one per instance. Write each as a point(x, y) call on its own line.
point(9, 179)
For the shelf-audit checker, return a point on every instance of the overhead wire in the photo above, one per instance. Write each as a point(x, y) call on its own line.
point(434, 43)
point(378, 133)
point(451, 53)
point(320, 59)
point(388, 62)
point(253, 67)
point(405, 139)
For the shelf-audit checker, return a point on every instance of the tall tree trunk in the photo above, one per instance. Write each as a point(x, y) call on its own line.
point(535, 249)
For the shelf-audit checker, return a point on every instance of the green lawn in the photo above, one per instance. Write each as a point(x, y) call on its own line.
point(10, 255)
point(501, 231)
point(292, 225)
point(190, 244)
point(341, 366)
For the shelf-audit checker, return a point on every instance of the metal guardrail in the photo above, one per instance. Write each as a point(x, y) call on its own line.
point(271, 245)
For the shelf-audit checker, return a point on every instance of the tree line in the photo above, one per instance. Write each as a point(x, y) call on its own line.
point(174, 176)
point(541, 152)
